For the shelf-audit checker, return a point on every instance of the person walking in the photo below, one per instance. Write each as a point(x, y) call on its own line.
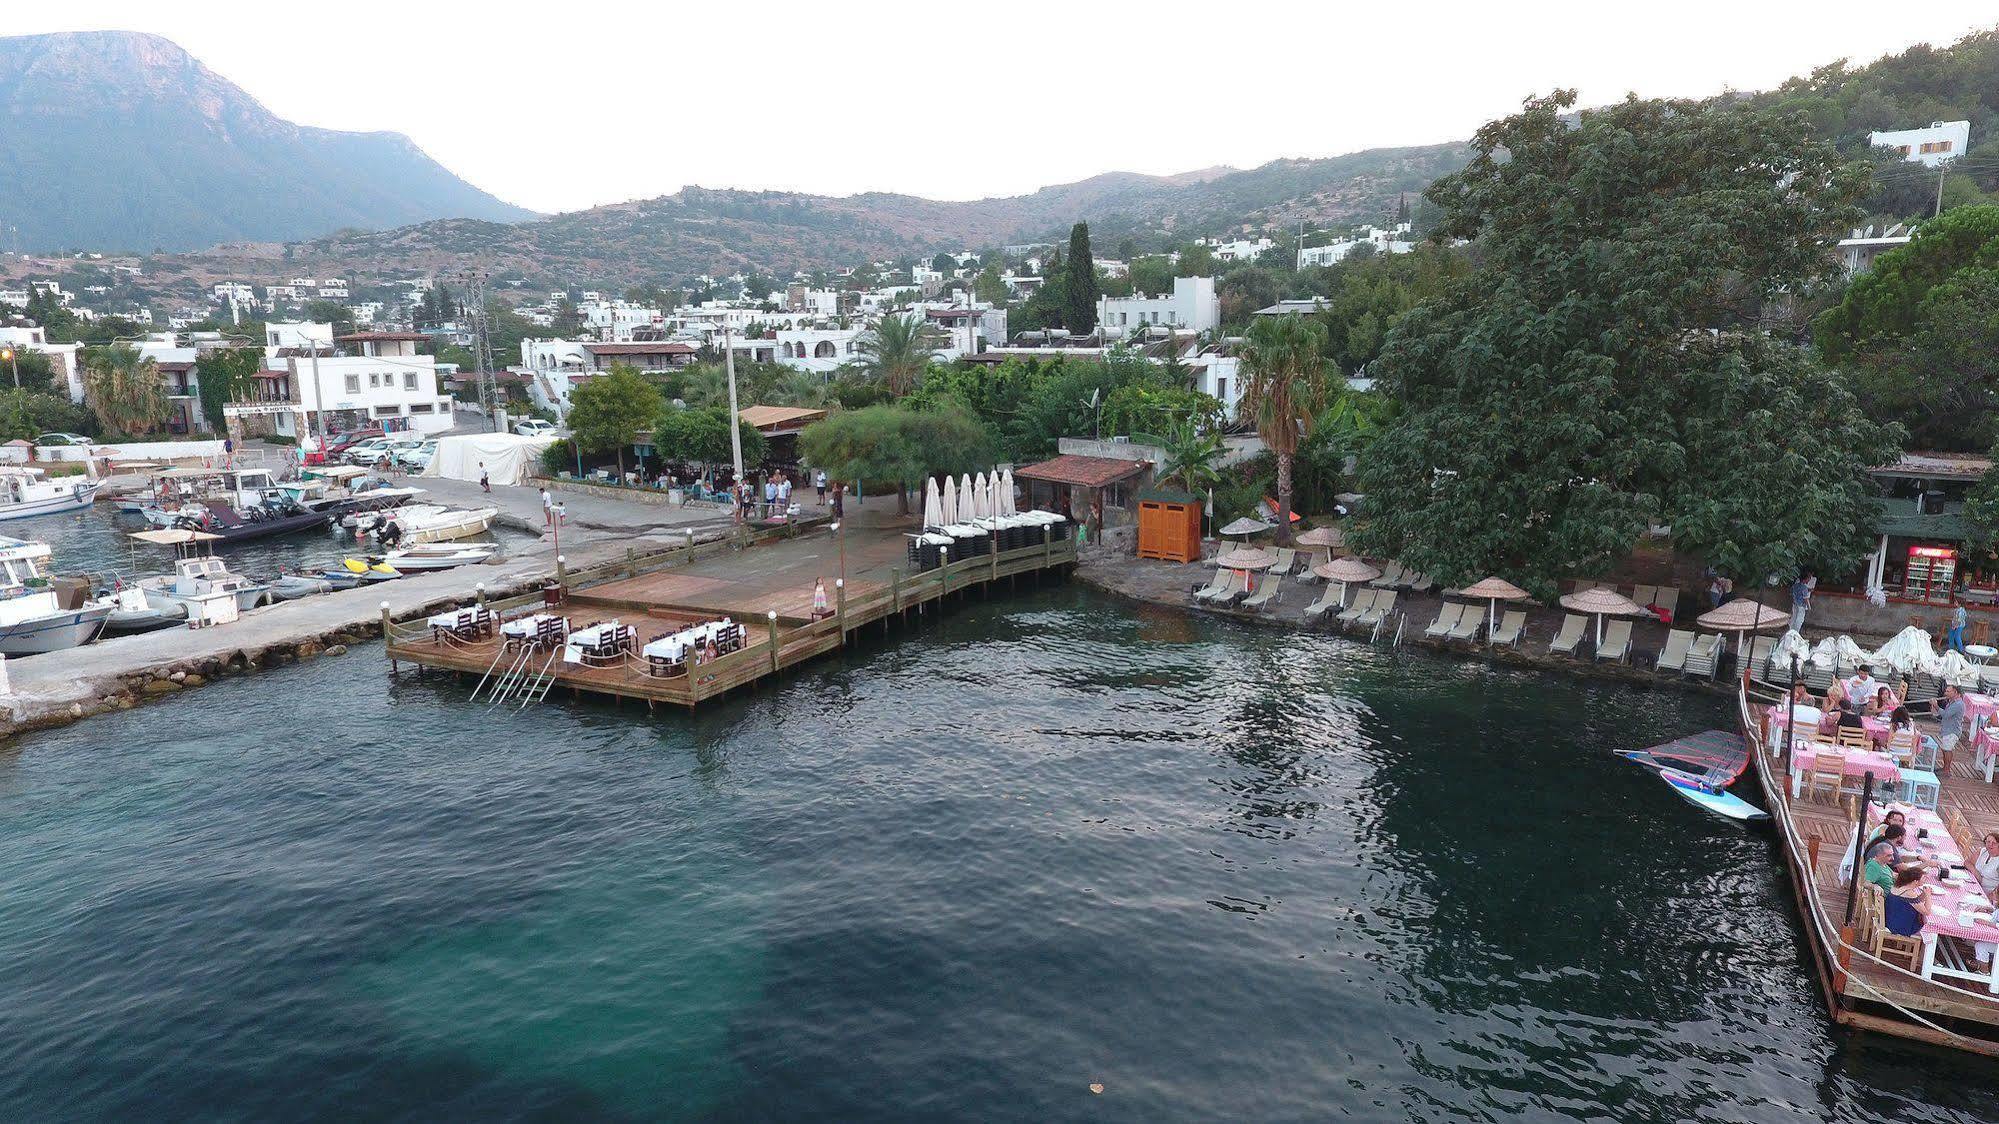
point(1955, 638)
point(229, 451)
point(547, 508)
point(485, 481)
point(1801, 602)
point(819, 482)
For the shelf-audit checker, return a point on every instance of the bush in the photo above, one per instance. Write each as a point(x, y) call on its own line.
point(558, 458)
point(278, 439)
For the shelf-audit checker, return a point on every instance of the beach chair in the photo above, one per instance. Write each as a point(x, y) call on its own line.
point(1642, 595)
point(1384, 604)
point(1511, 628)
point(1668, 599)
point(1923, 687)
point(1616, 642)
point(1421, 583)
point(1759, 656)
point(1363, 600)
point(1286, 557)
point(1266, 593)
point(1328, 601)
point(1778, 670)
point(1230, 588)
point(1215, 585)
point(1468, 625)
point(1702, 656)
point(1447, 619)
point(1817, 678)
point(1390, 577)
point(1571, 635)
point(1674, 656)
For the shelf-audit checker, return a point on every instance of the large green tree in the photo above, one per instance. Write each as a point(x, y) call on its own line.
point(1079, 296)
point(897, 445)
point(1604, 370)
point(124, 389)
point(607, 412)
point(700, 435)
point(1283, 389)
point(225, 375)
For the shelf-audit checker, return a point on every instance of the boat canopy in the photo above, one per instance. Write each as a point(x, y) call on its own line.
point(174, 536)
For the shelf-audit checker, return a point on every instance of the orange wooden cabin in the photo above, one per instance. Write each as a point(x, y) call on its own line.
point(1169, 525)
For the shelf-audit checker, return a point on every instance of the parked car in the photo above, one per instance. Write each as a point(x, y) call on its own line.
point(339, 443)
point(535, 427)
point(62, 439)
point(367, 452)
point(416, 458)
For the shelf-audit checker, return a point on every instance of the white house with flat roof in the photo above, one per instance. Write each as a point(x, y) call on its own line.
point(1193, 305)
point(820, 350)
point(379, 379)
point(1930, 146)
point(1394, 240)
point(63, 357)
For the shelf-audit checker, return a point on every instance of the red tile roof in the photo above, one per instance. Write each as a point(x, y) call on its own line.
point(1080, 471)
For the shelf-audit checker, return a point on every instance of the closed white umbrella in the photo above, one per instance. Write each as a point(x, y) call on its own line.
point(948, 506)
point(933, 505)
point(982, 503)
point(1008, 505)
point(965, 497)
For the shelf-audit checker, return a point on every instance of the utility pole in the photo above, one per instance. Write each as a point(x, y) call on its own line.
point(1943, 169)
point(735, 414)
point(482, 343)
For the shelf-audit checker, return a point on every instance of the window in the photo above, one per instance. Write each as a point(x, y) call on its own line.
point(388, 411)
point(1221, 391)
point(1936, 146)
point(422, 408)
point(353, 384)
point(409, 380)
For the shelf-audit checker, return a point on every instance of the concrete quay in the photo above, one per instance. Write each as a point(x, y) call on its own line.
point(61, 687)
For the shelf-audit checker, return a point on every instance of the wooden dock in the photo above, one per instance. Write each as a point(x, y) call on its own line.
point(661, 593)
point(1861, 990)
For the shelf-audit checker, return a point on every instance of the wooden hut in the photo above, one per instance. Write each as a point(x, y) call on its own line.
point(1169, 525)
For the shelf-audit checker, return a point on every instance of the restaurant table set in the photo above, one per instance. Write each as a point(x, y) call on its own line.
point(669, 654)
point(1958, 907)
point(1912, 785)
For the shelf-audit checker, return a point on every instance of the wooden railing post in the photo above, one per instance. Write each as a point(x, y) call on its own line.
point(772, 616)
point(840, 607)
point(895, 588)
point(479, 594)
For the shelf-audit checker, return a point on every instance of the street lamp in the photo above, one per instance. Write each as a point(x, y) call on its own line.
point(7, 353)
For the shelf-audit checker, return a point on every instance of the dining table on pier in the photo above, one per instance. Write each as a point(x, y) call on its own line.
point(1779, 716)
point(1959, 907)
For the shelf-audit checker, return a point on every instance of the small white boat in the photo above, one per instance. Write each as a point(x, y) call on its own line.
point(426, 522)
point(32, 618)
point(200, 584)
point(439, 556)
point(132, 613)
point(28, 491)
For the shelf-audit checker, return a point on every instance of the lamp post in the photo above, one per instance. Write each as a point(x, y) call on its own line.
point(12, 365)
point(840, 534)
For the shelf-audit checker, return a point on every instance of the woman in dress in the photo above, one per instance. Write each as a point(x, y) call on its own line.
point(1907, 906)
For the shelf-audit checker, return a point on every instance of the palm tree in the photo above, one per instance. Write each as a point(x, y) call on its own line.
point(1192, 458)
point(1284, 388)
point(898, 351)
point(124, 388)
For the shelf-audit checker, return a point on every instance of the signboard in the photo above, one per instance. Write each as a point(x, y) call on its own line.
point(1933, 552)
point(235, 411)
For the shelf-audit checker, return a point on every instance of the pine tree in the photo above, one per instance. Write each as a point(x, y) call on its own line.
point(1079, 307)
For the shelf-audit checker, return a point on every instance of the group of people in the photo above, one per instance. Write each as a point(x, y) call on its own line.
point(1896, 863)
point(772, 499)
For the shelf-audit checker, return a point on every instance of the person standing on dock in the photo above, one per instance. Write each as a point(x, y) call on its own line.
point(770, 494)
point(819, 482)
point(1955, 638)
point(1801, 601)
point(1950, 720)
point(485, 480)
point(547, 508)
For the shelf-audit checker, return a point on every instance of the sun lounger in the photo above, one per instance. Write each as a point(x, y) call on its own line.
point(1616, 642)
point(1447, 619)
point(1421, 583)
point(1363, 600)
point(1266, 592)
point(1571, 634)
point(1701, 657)
point(1668, 599)
point(1286, 556)
point(1229, 588)
point(1674, 656)
point(1215, 584)
point(1390, 578)
point(1328, 601)
point(1759, 656)
point(1384, 604)
point(1642, 595)
point(1468, 625)
point(1512, 627)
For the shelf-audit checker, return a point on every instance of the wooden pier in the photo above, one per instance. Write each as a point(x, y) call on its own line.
point(661, 593)
point(1861, 989)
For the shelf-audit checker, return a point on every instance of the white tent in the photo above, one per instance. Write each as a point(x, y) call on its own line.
point(506, 457)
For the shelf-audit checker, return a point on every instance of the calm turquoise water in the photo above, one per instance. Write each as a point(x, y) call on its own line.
point(1227, 872)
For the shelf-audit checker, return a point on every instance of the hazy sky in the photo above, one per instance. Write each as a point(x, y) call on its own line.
point(563, 105)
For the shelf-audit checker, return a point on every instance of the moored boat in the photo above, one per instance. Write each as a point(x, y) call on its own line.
point(425, 523)
point(32, 617)
point(28, 491)
point(439, 556)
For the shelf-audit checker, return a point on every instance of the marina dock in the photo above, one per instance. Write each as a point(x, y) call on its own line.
point(516, 649)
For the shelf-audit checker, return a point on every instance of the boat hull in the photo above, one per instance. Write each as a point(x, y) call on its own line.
point(473, 523)
point(56, 632)
point(79, 497)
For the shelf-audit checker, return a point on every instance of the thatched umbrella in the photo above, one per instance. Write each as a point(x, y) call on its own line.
point(1244, 527)
point(1328, 537)
point(1346, 570)
point(1493, 591)
point(1602, 603)
point(1743, 616)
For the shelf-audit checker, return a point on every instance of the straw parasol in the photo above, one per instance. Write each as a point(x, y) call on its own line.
point(1493, 591)
point(1346, 570)
point(1328, 537)
point(1245, 527)
point(1247, 558)
point(1601, 603)
point(1743, 616)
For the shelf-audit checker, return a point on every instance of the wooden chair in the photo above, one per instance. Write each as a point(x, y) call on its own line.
point(1891, 947)
point(1852, 737)
point(1902, 745)
point(1828, 771)
point(1979, 633)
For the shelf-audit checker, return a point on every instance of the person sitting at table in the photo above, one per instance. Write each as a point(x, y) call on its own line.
point(1863, 685)
point(1883, 855)
point(1835, 705)
point(1850, 718)
point(1882, 703)
point(1907, 904)
point(1802, 695)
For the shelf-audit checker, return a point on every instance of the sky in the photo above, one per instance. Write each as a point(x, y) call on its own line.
point(563, 106)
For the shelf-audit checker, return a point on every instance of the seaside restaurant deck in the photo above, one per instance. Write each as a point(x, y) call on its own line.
point(1932, 988)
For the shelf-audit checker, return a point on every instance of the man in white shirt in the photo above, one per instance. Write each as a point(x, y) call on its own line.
point(1862, 688)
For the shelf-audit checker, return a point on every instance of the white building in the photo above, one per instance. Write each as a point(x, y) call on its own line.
point(1218, 374)
point(616, 321)
point(966, 331)
point(1394, 240)
point(556, 367)
point(1941, 141)
point(237, 291)
point(1857, 252)
point(381, 380)
point(1192, 305)
point(63, 357)
point(282, 337)
point(820, 350)
point(1240, 249)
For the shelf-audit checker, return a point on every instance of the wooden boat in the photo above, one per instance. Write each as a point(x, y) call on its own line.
point(439, 556)
point(28, 491)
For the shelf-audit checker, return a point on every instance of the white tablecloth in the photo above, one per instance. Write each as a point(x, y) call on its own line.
point(583, 639)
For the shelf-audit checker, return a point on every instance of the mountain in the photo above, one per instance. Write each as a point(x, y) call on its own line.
point(121, 140)
point(703, 230)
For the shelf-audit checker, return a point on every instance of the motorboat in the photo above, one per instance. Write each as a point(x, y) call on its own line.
point(286, 587)
point(354, 571)
point(341, 490)
point(201, 584)
point(229, 523)
point(132, 613)
point(439, 556)
point(28, 491)
point(427, 523)
point(32, 616)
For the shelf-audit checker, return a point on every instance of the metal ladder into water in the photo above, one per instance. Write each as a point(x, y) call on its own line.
point(535, 686)
point(504, 686)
